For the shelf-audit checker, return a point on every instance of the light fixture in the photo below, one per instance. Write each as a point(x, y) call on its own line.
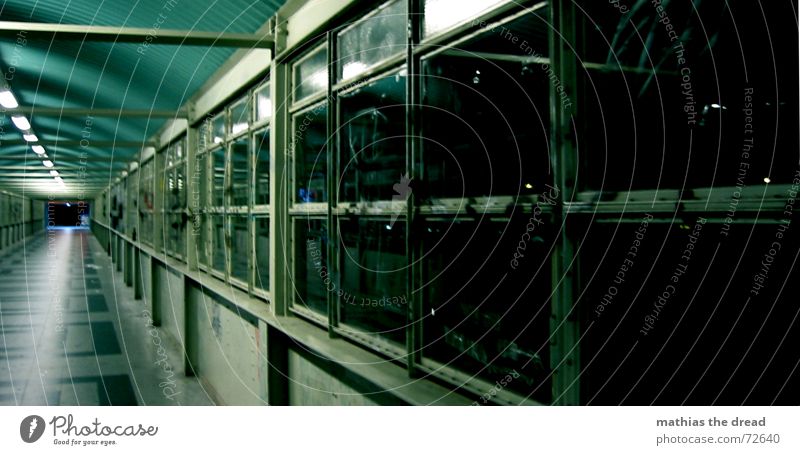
point(528, 186)
point(54, 173)
point(69, 205)
point(21, 122)
point(38, 149)
point(767, 180)
point(30, 137)
point(59, 180)
point(7, 100)
point(47, 163)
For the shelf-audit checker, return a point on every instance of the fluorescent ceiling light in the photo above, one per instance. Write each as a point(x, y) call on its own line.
point(30, 137)
point(54, 173)
point(21, 122)
point(47, 163)
point(38, 149)
point(7, 100)
point(59, 180)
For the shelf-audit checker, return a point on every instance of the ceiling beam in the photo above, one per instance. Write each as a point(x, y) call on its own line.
point(64, 157)
point(87, 143)
point(95, 112)
point(144, 36)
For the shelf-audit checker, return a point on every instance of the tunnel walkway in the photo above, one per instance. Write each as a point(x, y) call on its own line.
point(71, 333)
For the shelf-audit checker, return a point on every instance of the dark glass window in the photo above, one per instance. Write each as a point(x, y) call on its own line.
point(486, 115)
point(240, 115)
point(486, 310)
point(262, 253)
point(373, 298)
point(240, 181)
point(262, 158)
point(218, 169)
point(310, 268)
point(240, 248)
point(373, 140)
point(311, 154)
point(218, 243)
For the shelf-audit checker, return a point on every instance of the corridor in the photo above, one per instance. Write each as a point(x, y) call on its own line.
point(72, 334)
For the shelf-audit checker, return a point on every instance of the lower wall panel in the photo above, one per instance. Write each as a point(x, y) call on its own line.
point(226, 350)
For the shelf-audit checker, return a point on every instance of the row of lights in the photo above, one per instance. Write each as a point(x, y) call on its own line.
point(8, 101)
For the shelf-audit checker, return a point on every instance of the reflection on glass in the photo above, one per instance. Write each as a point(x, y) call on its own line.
point(262, 167)
point(263, 103)
point(240, 248)
point(218, 191)
point(373, 146)
point(443, 14)
point(218, 129)
point(486, 127)
point(218, 250)
point(310, 154)
point(311, 74)
point(201, 242)
point(373, 277)
point(240, 182)
point(176, 231)
point(373, 40)
point(262, 253)
point(240, 115)
point(490, 330)
point(310, 266)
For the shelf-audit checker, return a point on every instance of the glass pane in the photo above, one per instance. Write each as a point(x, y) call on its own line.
point(262, 253)
point(665, 286)
point(180, 182)
point(240, 171)
point(311, 74)
point(178, 147)
point(486, 121)
point(310, 154)
point(658, 113)
point(373, 40)
point(218, 191)
point(483, 313)
point(263, 103)
point(240, 115)
point(240, 248)
point(310, 266)
point(176, 230)
point(200, 232)
point(443, 14)
point(218, 129)
point(373, 297)
point(262, 167)
point(373, 145)
point(218, 249)
point(204, 136)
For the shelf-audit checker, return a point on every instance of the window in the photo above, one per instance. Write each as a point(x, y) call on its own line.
point(441, 15)
point(262, 253)
point(490, 331)
point(262, 159)
point(311, 154)
point(146, 201)
point(175, 215)
point(219, 251)
point(240, 248)
point(240, 172)
point(240, 116)
point(372, 147)
point(310, 279)
point(218, 168)
point(311, 74)
point(372, 274)
point(263, 104)
point(372, 40)
point(217, 130)
point(486, 116)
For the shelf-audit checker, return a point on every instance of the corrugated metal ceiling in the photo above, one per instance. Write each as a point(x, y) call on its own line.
point(107, 75)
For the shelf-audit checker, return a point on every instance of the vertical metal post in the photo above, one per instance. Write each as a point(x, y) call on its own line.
point(332, 154)
point(193, 203)
point(280, 256)
point(413, 244)
point(565, 330)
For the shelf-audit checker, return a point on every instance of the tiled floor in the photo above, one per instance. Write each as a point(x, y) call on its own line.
point(72, 334)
